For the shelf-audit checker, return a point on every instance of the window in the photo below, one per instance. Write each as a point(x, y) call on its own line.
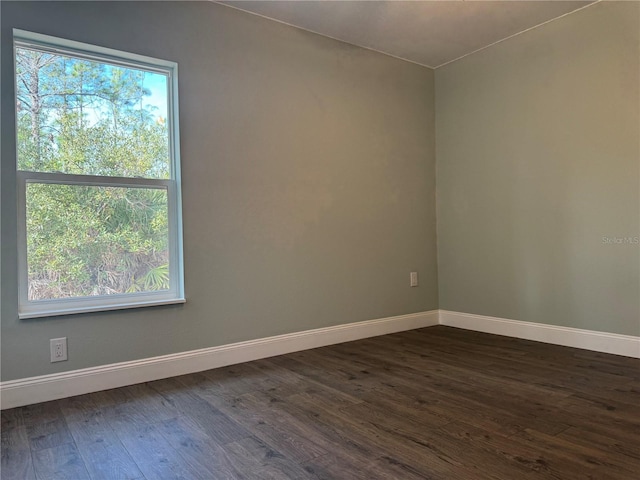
point(98, 178)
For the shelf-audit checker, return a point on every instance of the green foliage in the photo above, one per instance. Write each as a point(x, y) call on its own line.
point(155, 279)
point(82, 117)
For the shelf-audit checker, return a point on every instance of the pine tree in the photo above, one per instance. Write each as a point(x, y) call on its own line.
point(81, 117)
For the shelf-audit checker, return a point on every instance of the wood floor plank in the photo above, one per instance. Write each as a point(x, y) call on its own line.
point(12, 417)
point(258, 460)
point(212, 421)
point(330, 436)
point(239, 379)
point(471, 457)
point(155, 456)
point(49, 434)
point(62, 462)
point(199, 449)
point(349, 466)
point(624, 451)
point(411, 452)
point(107, 459)
point(523, 456)
point(45, 426)
point(339, 380)
point(16, 454)
point(589, 460)
point(139, 402)
point(282, 431)
point(405, 366)
point(40, 413)
point(456, 386)
point(435, 403)
point(333, 465)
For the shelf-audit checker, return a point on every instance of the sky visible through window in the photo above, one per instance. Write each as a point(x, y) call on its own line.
point(157, 85)
point(154, 101)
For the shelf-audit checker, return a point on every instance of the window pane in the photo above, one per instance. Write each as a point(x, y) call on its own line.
point(90, 118)
point(89, 240)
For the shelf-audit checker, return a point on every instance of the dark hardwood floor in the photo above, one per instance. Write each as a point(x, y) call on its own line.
point(436, 403)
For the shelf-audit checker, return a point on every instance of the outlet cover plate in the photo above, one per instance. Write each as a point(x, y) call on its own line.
point(58, 348)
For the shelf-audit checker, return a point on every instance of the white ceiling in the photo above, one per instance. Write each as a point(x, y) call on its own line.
point(431, 33)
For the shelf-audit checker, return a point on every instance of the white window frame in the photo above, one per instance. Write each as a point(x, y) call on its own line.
point(45, 308)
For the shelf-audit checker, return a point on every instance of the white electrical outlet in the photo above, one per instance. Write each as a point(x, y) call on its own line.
point(58, 348)
point(413, 279)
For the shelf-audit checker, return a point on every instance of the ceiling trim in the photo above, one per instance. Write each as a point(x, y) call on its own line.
point(322, 34)
point(219, 2)
point(518, 33)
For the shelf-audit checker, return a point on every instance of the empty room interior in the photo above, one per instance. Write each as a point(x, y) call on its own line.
point(320, 240)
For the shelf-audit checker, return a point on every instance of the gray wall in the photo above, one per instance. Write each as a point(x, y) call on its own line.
point(538, 160)
point(308, 183)
point(309, 179)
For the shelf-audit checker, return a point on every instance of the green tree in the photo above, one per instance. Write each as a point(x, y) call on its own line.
point(82, 117)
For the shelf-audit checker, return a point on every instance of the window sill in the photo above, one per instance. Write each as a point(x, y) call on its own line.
point(53, 312)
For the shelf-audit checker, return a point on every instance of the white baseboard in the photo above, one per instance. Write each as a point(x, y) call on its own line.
point(26, 391)
point(626, 345)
